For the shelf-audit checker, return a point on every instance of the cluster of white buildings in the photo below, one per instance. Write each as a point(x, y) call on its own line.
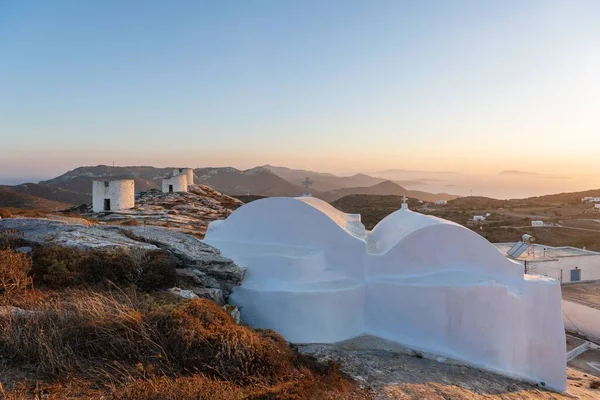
point(178, 180)
point(565, 264)
point(119, 194)
point(590, 200)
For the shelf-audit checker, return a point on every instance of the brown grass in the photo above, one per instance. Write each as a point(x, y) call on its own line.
point(90, 344)
point(14, 273)
point(130, 222)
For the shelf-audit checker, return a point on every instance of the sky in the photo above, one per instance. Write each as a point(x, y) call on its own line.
point(336, 86)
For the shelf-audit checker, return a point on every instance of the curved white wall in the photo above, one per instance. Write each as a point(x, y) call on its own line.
point(315, 275)
point(582, 319)
point(179, 183)
point(121, 194)
point(188, 172)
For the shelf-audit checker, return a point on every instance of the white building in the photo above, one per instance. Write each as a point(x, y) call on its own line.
point(441, 202)
point(590, 200)
point(597, 206)
point(537, 223)
point(478, 219)
point(316, 275)
point(113, 195)
point(176, 183)
point(565, 264)
point(188, 172)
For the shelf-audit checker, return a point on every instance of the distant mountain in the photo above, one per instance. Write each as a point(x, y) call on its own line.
point(384, 188)
point(52, 193)
point(80, 179)
point(290, 174)
point(256, 181)
point(323, 182)
point(75, 186)
point(11, 198)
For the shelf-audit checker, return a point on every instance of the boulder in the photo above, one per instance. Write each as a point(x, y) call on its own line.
point(215, 295)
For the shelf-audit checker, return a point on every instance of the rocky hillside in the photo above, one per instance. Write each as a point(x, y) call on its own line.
point(189, 212)
point(202, 266)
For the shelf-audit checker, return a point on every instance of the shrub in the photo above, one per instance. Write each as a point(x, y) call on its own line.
point(4, 213)
point(56, 267)
point(192, 387)
point(189, 350)
point(59, 267)
point(14, 272)
point(10, 238)
point(84, 331)
point(198, 336)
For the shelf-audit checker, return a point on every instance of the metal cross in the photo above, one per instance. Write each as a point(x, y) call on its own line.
point(307, 184)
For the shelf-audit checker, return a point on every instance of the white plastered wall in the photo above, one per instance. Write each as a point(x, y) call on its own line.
point(188, 172)
point(420, 281)
point(589, 266)
point(582, 320)
point(179, 183)
point(121, 194)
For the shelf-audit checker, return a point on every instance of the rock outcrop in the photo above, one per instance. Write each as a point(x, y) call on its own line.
point(209, 273)
point(189, 212)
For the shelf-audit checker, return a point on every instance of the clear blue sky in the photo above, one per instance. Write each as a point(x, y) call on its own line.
point(330, 85)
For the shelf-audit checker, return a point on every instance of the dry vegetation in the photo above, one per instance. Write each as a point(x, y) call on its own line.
point(509, 219)
point(101, 336)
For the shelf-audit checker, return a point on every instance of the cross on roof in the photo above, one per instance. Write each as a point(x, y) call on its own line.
point(404, 203)
point(307, 184)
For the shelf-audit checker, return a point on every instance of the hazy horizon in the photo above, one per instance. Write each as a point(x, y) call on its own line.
point(508, 184)
point(339, 86)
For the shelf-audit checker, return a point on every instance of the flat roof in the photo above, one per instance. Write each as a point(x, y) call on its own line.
point(543, 252)
point(586, 293)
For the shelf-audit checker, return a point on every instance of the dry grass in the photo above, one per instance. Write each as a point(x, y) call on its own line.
point(14, 273)
point(112, 344)
point(130, 222)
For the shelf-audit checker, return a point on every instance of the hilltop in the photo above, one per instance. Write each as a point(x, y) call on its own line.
point(75, 187)
point(189, 212)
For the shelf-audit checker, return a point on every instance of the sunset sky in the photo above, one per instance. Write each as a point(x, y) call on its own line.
point(337, 86)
